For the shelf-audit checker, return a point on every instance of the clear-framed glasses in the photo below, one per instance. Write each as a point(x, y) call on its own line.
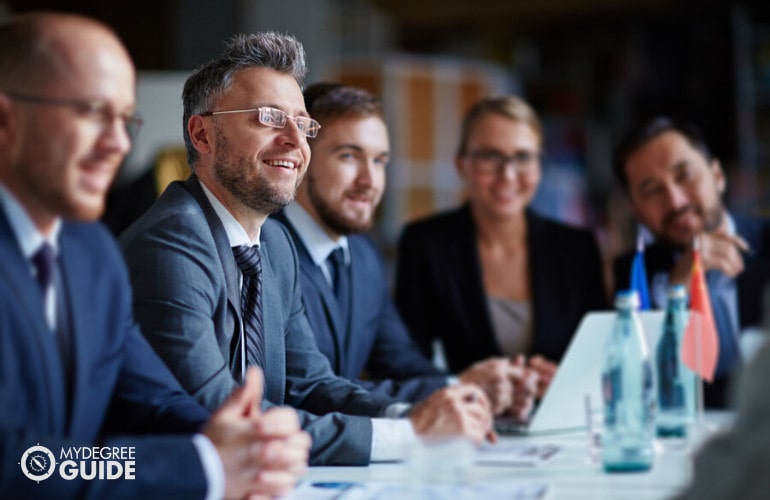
point(489, 161)
point(276, 118)
point(99, 112)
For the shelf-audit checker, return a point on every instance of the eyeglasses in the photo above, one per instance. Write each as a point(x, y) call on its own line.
point(98, 112)
point(488, 161)
point(276, 118)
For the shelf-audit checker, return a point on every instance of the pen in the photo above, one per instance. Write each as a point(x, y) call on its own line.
point(343, 486)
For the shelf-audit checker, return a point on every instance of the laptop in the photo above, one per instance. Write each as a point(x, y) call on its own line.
point(562, 409)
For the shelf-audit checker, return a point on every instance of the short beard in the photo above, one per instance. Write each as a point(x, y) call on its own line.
point(331, 218)
point(254, 192)
point(712, 219)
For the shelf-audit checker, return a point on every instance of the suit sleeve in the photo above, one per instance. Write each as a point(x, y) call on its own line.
point(397, 365)
point(734, 464)
point(165, 467)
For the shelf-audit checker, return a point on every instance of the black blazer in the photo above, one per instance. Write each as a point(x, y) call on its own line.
point(750, 284)
point(440, 293)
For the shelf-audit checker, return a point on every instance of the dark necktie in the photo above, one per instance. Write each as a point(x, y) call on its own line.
point(250, 263)
point(43, 261)
point(340, 280)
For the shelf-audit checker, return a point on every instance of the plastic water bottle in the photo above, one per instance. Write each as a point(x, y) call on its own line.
point(676, 383)
point(628, 388)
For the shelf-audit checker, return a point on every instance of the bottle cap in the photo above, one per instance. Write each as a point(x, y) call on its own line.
point(627, 299)
point(677, 291)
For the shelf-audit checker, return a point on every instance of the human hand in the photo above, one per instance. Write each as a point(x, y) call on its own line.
point(546, 370)
point(263, 454)
point(723, 252)
point(718, 251)
point(525, 383)
point(460, 410)
point(493, 375)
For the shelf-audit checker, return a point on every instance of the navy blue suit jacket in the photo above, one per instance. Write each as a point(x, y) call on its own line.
point(750, 284)
point(440, 292)
point(376, 341)
point(187, 300)
point(119, 383)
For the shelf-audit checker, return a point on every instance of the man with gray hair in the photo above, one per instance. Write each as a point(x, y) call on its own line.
point(206, 261)
point(75, 371)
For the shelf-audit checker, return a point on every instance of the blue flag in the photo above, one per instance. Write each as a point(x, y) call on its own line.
point(639, 277)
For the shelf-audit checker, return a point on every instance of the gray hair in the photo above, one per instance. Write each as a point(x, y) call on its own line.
point(280, 52)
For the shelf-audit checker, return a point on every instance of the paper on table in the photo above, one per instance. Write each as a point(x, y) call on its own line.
point(505, 453)
point(498, 490)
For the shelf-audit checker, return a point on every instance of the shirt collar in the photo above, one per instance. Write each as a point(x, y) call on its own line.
point(318, 243)
point(27, 235)
point(235, 232)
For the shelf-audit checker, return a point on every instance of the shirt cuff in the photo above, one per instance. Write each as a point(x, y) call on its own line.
point(397, 410)
point(391, 439)
point(453, 380)
point(213, 470)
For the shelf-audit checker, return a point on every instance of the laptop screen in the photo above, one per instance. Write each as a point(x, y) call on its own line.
point(579, 373)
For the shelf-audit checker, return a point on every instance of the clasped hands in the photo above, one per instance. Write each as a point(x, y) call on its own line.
point(263, 454)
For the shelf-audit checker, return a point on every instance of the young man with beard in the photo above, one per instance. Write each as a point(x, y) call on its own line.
point(344, 282)
point(675, 186)
point(216, 284)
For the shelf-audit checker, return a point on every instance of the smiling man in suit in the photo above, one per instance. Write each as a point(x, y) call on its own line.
point(675, 186)
point(74, 369)
point(348, 302)
point(209, 313)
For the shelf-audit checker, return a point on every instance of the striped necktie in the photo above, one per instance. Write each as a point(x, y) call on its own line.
point(250, 263)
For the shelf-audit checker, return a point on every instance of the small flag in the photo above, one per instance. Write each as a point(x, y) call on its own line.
point(639, 276)
point(700, 347)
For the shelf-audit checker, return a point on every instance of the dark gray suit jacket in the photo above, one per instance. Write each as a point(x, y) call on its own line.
point(187, 301)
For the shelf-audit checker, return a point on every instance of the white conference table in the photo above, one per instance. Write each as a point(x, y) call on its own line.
point(570, 474)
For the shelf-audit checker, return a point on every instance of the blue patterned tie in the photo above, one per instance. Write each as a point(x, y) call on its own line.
point(250, 263)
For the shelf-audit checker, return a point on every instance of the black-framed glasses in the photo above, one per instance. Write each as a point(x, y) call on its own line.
point(99, 112)
point(276, 118)
point(489, 161)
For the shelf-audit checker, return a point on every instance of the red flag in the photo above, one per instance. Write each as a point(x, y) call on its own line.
point(700, 347)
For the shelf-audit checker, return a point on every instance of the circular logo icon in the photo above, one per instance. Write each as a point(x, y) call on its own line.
point(38, 463)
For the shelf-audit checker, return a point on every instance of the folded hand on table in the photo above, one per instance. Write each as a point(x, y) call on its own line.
point(263, 454)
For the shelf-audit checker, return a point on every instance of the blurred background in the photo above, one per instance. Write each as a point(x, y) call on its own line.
point(590, 67)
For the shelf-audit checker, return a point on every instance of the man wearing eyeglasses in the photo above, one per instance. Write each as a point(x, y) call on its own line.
point(217, 284)
point(75, 372)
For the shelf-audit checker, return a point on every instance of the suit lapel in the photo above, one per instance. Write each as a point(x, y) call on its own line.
point(358, 296)
point(335, 322)
point(74, 265)
point(16, 267)
point(471, 283)
point(229, 266)
point(273, 310)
